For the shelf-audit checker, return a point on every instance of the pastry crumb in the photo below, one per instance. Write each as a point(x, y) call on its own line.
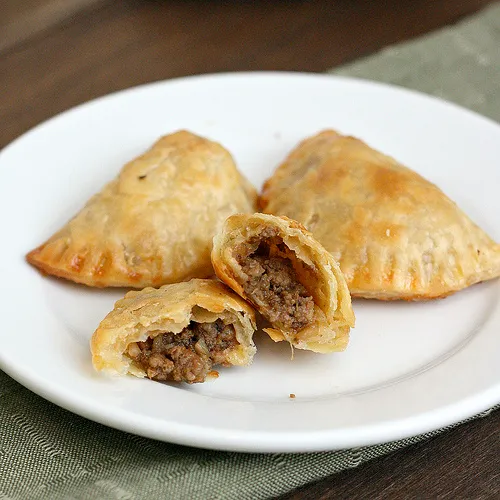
point(292, 395)
point(213, 374)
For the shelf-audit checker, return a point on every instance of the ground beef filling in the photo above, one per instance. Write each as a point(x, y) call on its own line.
point(273, 285)
point(187, 356)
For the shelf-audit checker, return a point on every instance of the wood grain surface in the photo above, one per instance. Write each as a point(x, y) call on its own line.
point(130, 42)
point(54, 55)
point(21, 20)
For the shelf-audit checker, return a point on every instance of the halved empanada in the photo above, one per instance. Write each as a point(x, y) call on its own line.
point(278, 266)
point(155, 222)
point(175, 333)
point(394, 234)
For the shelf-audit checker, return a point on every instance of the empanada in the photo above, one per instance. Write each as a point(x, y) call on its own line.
point(395, 234)
point(175, 333)
point(155, 222)
point(278, 266)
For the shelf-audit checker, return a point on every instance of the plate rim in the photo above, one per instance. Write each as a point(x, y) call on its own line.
point(222, 439)
point(289, 442)
point(251, 74)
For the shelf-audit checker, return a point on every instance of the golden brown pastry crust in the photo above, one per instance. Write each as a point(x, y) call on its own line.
point(333, 316)
point(394, 234)
point(155, 222)
point(149, 312)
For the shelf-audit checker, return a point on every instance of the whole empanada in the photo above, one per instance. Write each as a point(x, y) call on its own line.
point(395, 234)
point(275, 264)
point(155, 222)
point(175, 333)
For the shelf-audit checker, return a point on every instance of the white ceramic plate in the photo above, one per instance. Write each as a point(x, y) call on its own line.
point(409, 368)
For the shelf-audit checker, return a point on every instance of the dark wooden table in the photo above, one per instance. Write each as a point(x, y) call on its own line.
point(55, 54)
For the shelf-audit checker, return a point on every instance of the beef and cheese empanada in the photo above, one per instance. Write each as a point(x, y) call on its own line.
point(175, 333)
point(278, 266)
point(155, 222)
point(394, 234)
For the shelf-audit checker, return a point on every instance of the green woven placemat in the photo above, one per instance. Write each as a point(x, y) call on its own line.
point(460, 63)
point(49, 453)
